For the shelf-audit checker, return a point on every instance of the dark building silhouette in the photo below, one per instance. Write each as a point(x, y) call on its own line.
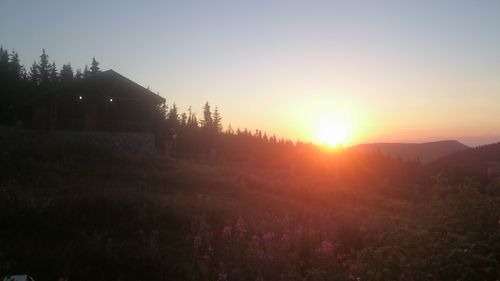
point(105, 101)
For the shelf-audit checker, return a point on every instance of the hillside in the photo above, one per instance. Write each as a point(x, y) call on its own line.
point(72, 211)
point(426, 152)
point(473, 161)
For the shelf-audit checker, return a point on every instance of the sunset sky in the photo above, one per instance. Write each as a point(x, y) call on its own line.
point(386, 70)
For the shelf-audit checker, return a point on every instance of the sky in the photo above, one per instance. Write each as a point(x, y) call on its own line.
point(391, 71)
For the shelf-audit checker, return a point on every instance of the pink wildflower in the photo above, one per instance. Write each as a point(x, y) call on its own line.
point(256, 249)
point(268, 236)
point(222, 276)
point(240, 227)
point(326, 248)
point(226, 231)
point(285, 240)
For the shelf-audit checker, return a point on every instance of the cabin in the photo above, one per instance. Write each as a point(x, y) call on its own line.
point(103, 102)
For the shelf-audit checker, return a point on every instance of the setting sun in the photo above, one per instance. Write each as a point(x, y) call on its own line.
point(332, 133)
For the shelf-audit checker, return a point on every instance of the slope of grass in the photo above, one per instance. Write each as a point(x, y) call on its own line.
point(98, 215)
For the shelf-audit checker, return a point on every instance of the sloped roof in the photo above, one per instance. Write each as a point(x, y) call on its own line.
point(109, 83)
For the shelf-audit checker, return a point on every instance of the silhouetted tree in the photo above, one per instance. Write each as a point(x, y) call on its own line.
point(94, 66)
point(173, 117)
point(4, 65)
point(16, 70)
point(78, 74)
point(86, 72)
point(207, 121)
point(183, 119)
point(44, 69)
point(53, 75)
point(217, 121)
point(229, 130)
point(192, 122)
point(66, 73)
point(34, 75)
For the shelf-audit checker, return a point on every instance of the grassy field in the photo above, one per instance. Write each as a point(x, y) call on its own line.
point(97, 215)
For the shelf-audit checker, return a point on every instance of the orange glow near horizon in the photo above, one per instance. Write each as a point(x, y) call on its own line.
point(332, 133)
point(329, 122)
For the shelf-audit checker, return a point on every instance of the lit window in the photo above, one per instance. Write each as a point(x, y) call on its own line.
point(80, 98)
point(110, 99)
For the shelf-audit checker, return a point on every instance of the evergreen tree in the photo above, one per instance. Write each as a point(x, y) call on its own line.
point(44, 69)
point(192, 122)
point(217, 121)
point(86, 72)
point(230, 130)
point(173, 117)
point(184, 119)
point(66, 73)
point(53, 75)
point(34, 75)
point(78, 74)
point(207, 121)
point(16, 70)
point(4, 65)
point(94, 67)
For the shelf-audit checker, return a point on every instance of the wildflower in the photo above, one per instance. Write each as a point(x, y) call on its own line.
point(256, 249)
point(285, 240)
point(222, 276)
point(226, 231)
point(240, 227)
point(268, 236)
point(326, 248)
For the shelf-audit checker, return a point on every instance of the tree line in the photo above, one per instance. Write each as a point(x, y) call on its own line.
point(19, 85)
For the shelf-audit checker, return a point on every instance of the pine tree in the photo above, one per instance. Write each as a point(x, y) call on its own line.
point(230, 130)
point(207, 121)
point(94, 67)
point(44, 69)
point(78, 74)
point(86, 72)
point(16, 70)
point(217, 121)
point(183, 119)
point(192, 122)
point(66, 73)
point(4, 64)
point(34, 75)
point(173, 116)
point(53, 75)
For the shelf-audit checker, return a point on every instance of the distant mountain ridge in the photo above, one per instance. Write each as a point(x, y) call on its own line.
point(475, 161)
point(425, 152)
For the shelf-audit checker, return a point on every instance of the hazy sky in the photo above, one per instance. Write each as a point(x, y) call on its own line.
point(389, 70)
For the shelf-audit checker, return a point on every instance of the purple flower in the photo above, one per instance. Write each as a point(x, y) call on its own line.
point(226, 231)
point(268, 236)
point(240, 227)
point(326, 248)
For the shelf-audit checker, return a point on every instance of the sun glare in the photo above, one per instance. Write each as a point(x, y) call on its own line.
point(333, 134)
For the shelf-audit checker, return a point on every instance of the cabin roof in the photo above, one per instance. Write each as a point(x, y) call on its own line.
point(108, 83)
